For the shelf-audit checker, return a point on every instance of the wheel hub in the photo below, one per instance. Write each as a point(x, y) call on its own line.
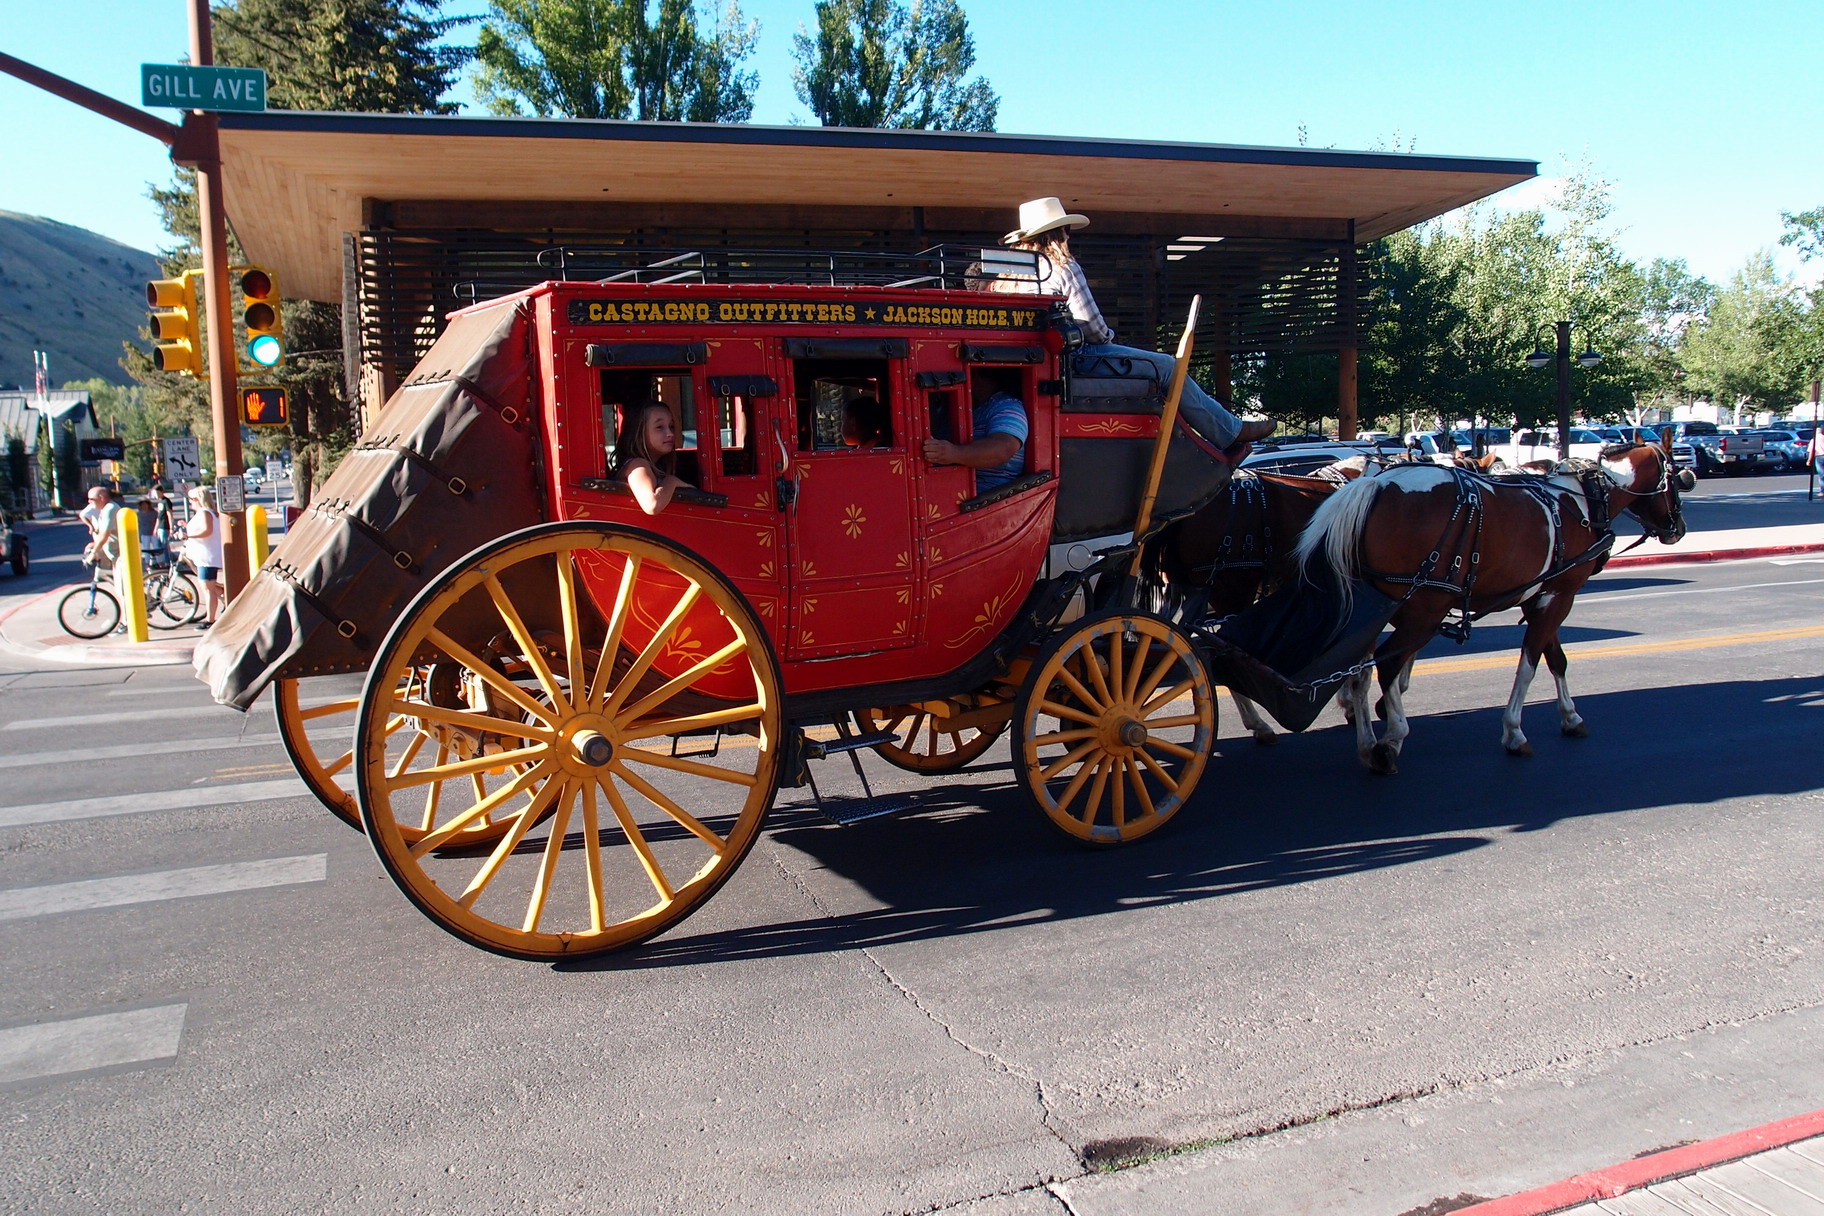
point(592, 748)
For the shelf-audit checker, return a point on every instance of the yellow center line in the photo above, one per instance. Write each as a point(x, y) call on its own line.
point(1507, 659)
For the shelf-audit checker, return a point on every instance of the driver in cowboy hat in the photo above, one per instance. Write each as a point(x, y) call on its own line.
point(1045, 229)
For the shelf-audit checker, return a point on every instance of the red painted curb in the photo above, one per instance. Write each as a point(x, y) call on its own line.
point(1714, 555)
point(1657, 1167)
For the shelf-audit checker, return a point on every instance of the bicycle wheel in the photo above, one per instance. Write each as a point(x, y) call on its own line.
point(173, 598)
point(88, 612)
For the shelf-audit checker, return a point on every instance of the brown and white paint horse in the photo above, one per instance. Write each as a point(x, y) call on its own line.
point(1236, 548)
point(1437, 539)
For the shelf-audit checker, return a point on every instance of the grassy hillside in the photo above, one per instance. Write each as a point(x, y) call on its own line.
point(71, 292)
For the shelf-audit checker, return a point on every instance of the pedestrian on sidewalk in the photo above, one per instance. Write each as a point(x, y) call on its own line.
point(1817, 451)
point(203, 546)
point(158, 507)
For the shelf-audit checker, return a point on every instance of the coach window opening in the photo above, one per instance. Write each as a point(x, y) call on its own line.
point(985, 382)
point(826, 390)
point(624, 390)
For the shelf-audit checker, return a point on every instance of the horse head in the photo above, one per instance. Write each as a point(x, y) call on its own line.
point(1651, 484)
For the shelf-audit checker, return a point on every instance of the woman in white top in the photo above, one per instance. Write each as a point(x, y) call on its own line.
point(203, 546)
point(1045, 229)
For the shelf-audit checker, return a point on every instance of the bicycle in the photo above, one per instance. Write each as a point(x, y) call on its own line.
point(173, 596)
point(89, 612)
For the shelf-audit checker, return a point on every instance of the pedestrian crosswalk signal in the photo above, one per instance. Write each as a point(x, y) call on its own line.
point(261, 314)
point(264, 407)
point(177, 343)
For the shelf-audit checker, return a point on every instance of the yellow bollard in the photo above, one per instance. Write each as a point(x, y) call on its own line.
point(259, 544)
point(130, 576)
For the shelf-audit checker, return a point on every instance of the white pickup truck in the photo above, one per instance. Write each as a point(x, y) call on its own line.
point(1718, 449)
point(1530, 445)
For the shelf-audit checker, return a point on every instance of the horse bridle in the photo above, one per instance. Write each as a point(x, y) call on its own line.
point(1668, 472)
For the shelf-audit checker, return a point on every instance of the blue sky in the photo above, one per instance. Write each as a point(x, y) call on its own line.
point(1703, 115)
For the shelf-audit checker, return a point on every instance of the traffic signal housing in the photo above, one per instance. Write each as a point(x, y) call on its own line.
point(177, 341)
point(265, 406)
point(260, 313)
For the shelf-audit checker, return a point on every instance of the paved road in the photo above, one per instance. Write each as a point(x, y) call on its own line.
point(213, 1000)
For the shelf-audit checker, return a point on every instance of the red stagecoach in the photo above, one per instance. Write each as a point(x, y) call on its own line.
point(575, 715)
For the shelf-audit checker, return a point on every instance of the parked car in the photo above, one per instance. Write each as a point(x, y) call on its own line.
point(15, 549)
point(1303, 459)
point(1784, 449)
point(1530, 445)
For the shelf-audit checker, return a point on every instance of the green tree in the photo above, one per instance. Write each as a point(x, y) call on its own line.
point(1796, 327)
point(382, 56)
point(363, 56)
point(1672, 301)
point(878, 63)
point(1734, 357)
point(615, 59)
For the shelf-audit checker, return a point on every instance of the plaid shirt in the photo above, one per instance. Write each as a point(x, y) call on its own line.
point(1067, 280)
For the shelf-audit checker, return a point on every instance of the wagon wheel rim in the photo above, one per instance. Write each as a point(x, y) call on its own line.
point(319, 738)
point(1114, 728)
point(602, 848)
point(925, 745)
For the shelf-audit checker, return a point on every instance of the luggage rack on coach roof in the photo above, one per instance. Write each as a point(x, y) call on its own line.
point(941, 267)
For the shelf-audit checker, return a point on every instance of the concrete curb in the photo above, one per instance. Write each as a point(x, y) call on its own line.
point(1713, 555)
point(117, 654)
point(1654, 1168)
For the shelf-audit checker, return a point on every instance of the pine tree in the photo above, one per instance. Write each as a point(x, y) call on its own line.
point(877, 63)
point(616, 59)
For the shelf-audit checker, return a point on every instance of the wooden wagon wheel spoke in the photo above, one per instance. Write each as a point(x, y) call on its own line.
point(504, 867)
point(617, 626)
point(568, 609)
point(481, 723)
point(411, 753)
point(528, 645)
point(486, 805)
point(679, 683)
point(553, 788)
point(547, 867)
point(683, 817)
point(654, 872)
point(1093, 774)
point(647, 728)
point(661, 638)
point(341, 705)
point(931, 744)
point(493, 679)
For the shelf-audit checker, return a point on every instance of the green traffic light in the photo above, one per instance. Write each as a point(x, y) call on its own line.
point(265, 350)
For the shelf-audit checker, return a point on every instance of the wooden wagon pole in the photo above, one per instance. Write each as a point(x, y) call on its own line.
point(1168, 419)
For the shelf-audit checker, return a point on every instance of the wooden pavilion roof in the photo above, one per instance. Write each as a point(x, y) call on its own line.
point(297, 181)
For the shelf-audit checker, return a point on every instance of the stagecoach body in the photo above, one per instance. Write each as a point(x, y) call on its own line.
point(478, 557)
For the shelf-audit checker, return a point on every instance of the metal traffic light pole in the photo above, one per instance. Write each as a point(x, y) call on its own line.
point(224, 381)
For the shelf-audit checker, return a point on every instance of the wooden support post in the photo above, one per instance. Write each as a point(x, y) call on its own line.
point(1348, 417)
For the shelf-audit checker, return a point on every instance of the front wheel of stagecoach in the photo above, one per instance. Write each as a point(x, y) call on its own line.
point(1113, 727)
point(622, 704)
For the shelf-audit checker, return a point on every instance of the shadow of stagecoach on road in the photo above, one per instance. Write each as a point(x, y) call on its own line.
point(973, 860)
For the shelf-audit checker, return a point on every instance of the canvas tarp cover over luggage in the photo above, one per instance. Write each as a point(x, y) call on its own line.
point(450, 463)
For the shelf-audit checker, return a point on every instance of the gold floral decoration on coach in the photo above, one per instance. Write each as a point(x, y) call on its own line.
point(991, 611)
point(852, 519)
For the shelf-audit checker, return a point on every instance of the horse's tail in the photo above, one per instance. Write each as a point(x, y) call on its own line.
point(1335, 531)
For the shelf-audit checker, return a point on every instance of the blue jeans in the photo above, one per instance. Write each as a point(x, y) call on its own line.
point(1205, 414)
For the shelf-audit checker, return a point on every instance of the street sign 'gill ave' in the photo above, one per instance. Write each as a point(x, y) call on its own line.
point(180, 86)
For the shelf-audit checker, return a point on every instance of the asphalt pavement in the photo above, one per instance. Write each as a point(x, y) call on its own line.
point(1319, 991)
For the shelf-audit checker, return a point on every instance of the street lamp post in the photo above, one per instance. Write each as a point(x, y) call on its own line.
point(1589, 358)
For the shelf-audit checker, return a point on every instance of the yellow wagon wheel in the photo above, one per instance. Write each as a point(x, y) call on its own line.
point(318, 735)
point(925, 745)
point(1113, 727)
point(632, 793)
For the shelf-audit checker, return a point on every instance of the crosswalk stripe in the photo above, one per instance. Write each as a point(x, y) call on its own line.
point(124, 715)
point(50, 1049)
point(156, 800)
point(127, 751)
point(22, 902)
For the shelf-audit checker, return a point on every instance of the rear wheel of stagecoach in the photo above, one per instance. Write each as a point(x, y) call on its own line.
point(318, 732)
point(1113, 727)
point(625, 705)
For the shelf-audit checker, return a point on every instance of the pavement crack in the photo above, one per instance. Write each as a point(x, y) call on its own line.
point(1047, 1113)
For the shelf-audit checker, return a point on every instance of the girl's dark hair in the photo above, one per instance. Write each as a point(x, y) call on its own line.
point(630, 444)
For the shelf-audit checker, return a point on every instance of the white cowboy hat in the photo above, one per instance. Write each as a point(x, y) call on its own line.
point(1042, 215)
